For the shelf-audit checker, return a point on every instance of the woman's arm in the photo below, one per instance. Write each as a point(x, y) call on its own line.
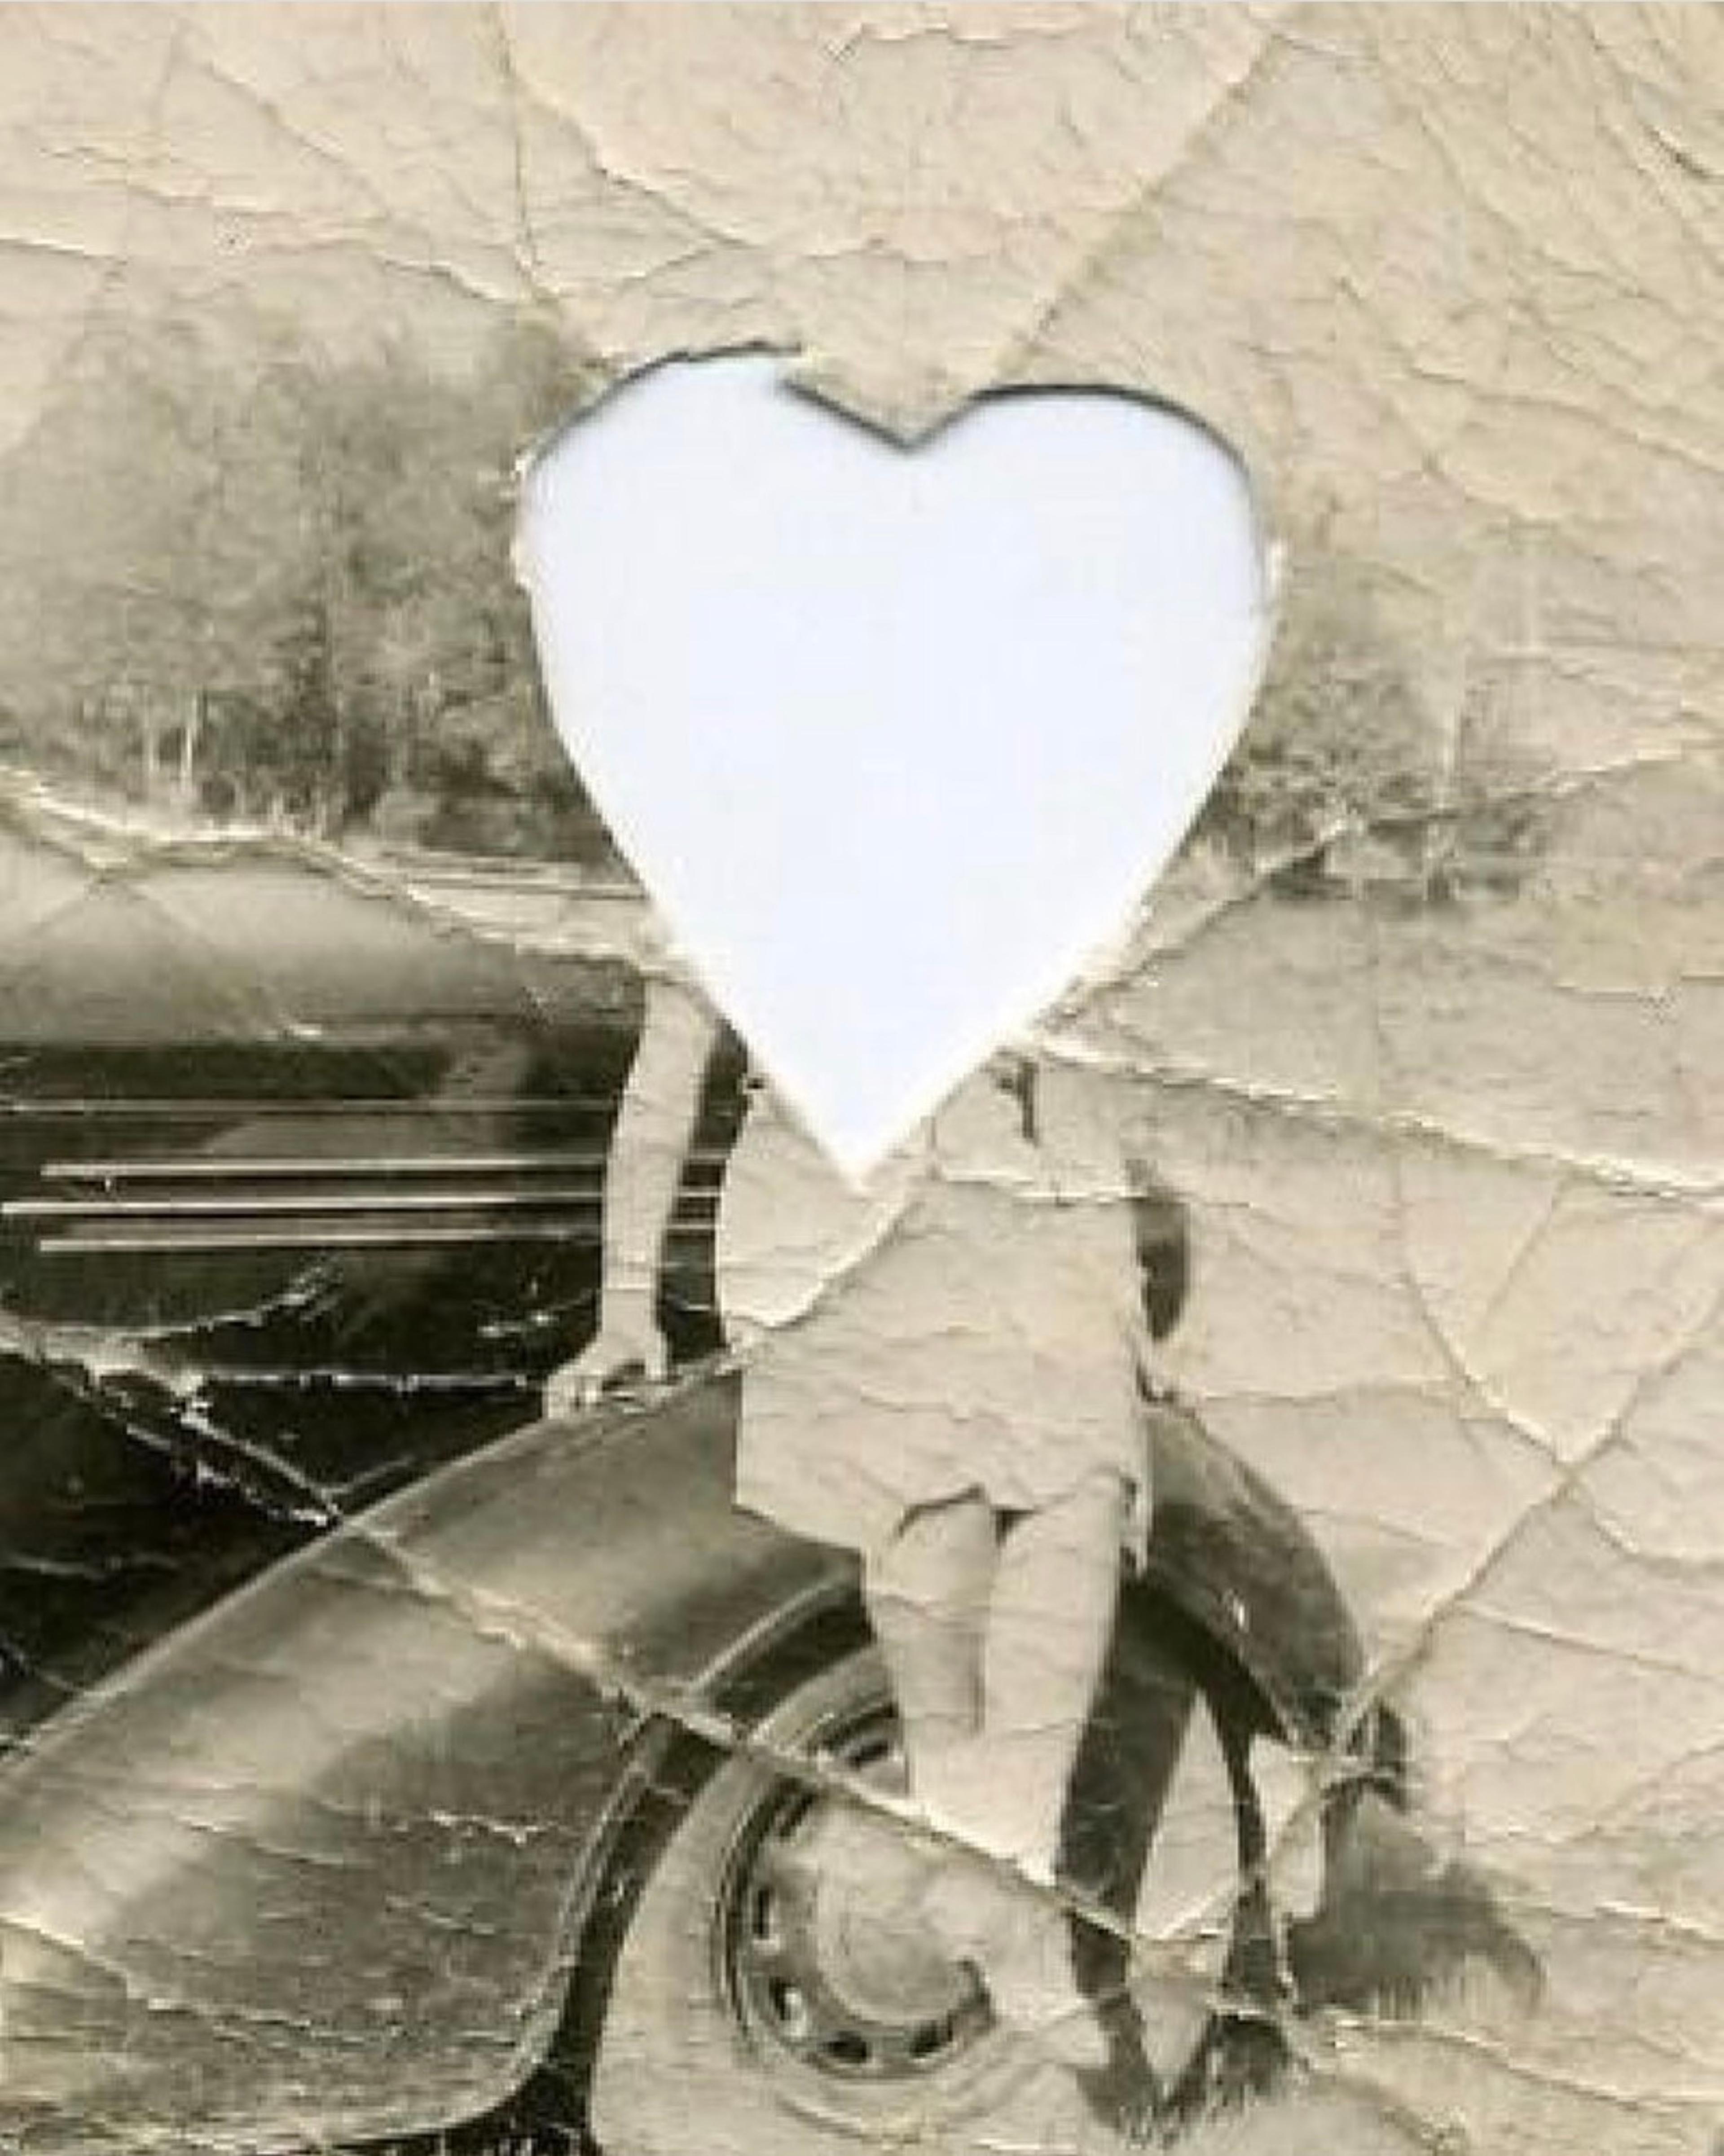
point(655, 1122)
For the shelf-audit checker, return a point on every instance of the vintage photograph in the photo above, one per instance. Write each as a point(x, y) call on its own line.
point(529, 1593)
point(536, 1615)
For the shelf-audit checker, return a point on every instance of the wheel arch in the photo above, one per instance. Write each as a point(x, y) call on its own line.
point(674, 1762)
point(1231, 1568)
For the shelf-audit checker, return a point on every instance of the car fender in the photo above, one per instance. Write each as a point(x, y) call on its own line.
point(316, 1867)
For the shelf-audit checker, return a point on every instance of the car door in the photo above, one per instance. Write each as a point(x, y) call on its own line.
point(299, 1191)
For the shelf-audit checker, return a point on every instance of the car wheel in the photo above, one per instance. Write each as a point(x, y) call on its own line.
point(760, 1997)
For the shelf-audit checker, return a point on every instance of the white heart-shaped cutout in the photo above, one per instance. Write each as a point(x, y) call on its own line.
point(894, 738)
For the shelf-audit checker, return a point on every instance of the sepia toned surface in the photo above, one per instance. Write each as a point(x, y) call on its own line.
point(1423, 1032)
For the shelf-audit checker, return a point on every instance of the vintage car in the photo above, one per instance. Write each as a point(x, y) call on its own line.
point(383, 1761)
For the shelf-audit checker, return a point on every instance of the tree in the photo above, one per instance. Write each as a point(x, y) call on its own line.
point(1337, 741)
point(1343, 779)
point(149, 535)
point(243, 579)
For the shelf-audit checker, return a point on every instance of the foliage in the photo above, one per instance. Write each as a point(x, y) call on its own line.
point(1344, 779)
point(243, 580)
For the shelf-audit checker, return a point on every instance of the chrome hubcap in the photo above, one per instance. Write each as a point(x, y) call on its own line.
point(826, 1957)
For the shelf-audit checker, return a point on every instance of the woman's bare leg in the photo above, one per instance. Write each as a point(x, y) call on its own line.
point(1049, 1622)
point(928, 1594)
point(1043, 1638)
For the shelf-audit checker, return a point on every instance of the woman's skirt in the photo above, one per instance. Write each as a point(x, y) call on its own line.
point(937, 1335)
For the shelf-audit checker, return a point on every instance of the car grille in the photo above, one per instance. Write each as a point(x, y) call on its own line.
point(267, 1201)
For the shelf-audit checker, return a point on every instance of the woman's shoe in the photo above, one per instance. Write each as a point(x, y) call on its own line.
point(1018, 1940)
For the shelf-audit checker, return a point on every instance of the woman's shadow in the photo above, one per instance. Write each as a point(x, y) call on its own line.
point(1396, 1926)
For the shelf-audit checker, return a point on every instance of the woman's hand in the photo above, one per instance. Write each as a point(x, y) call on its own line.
point(628, 1343)
point(655, 1123)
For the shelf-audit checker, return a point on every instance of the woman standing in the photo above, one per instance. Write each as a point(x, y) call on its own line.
point(942, 1371)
